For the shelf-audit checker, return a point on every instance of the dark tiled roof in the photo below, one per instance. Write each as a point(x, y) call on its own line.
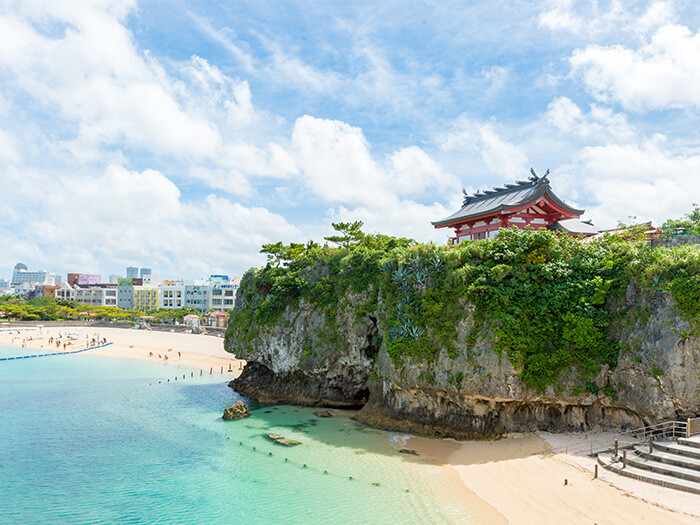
point(506, 197)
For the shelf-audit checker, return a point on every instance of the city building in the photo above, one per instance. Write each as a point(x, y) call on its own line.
point(145, 297)
point(4, 284)
point(92, 294)
point(198, 295)
point(172, 294)
point(21, 275)
point(530, 203)
point(114, 278)
point(83, 278)
point(223, 291)
point(125, 295)
point(132, 272)
point(145, 272)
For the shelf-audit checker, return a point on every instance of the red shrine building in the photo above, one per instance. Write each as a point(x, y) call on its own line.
point(526, 203)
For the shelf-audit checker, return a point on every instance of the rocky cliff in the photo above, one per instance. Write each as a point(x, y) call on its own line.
point(343, 356)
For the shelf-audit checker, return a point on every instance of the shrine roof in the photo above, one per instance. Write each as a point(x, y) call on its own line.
point(507, 197)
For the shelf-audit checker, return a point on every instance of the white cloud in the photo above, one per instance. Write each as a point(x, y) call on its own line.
point(661, 74)
point(500, 157)
point(589, 20)
point(92, 73)
point(120, 215)
point(601, 124)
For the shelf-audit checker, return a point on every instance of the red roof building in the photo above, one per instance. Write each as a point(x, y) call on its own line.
point(526, 203)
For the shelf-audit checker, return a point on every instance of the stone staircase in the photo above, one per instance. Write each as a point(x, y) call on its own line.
point(673, 463)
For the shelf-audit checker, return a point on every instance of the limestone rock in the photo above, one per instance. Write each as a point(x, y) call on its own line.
point(323, 413)
point(238, 410)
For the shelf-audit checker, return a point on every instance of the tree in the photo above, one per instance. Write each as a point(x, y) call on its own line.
point(691, 223)
point(281, 254)
point(351, 233)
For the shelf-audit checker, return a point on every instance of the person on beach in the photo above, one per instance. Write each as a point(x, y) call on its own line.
point(179, 355)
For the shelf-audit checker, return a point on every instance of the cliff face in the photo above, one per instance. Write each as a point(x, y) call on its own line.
point(303, 360)
point(309, 358)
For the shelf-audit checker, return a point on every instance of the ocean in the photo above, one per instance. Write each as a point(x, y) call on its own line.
point(92, 439)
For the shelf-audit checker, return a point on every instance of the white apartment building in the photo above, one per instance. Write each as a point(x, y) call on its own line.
point(88, 294)
point(223, 292)
point(172, 294)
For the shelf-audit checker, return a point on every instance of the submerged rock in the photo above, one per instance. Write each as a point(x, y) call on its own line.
point(408, 451)
point(280, 440)
point(323, 413)
point(238, 410)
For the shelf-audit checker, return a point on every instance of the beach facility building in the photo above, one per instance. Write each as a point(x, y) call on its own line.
point(216, 319)
point(529, 203)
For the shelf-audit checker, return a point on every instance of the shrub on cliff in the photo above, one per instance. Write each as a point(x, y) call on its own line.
point(542, 298)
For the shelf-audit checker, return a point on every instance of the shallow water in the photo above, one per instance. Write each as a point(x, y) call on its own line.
point(88, 439)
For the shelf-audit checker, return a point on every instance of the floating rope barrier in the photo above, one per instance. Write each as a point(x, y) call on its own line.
point(53, 353)
point(304, 466)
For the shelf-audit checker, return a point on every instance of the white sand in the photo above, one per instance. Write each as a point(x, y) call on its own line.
point(198, 351)
point(529, 489)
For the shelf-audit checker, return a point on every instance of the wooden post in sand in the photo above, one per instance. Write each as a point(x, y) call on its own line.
point(200, 372)
point(651, 445)
point(210, 370)
point(595, 476)
point(222, 369)
point(624, 459)
point(616, 448)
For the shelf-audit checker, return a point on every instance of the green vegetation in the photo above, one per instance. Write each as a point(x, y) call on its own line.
point(690, 224)
point(50, 309)
point(544, 299)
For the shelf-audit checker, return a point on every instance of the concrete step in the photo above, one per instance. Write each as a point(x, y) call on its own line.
point(669, 458)
point(677, 448)
point(646, 475)
point(692, 441)
point(663, 468)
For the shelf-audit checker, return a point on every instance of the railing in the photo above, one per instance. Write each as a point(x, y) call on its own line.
point(693, 426)
point(627, 439)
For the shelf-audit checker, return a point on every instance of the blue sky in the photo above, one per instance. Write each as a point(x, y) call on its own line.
point(183, 135)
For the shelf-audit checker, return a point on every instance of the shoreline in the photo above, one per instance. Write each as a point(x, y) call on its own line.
point(195, 350)
point(505, 481)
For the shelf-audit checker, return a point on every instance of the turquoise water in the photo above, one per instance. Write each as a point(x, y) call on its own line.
point(91, 439)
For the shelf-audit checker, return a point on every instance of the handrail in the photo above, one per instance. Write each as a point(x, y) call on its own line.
point(629, 438)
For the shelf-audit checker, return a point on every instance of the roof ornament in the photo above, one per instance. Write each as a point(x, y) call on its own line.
point(536, 178)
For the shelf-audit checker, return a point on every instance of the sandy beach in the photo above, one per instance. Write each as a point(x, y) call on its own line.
point(527, 488)
point(170, 348)
point(506, 480)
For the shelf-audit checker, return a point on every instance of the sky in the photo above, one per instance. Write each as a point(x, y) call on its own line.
point(183, 135)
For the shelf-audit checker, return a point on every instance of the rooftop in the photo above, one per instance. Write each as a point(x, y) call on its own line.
point(509, 196)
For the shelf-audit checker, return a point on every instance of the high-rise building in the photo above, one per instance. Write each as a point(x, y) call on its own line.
point(4, 284)
point(114, 278)
point(22, 275)
point(132, 272)
point(144, 272)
